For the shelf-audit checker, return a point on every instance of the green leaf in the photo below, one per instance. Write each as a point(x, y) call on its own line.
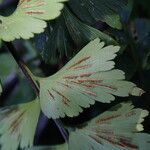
point(114, 129)
point(57, 147)
point(91, 11)
point(29, 18)
point(21, 94)
point(90, 76)
point(82, 32)
point(18, 124)
point(67, 32)
point(7, 66)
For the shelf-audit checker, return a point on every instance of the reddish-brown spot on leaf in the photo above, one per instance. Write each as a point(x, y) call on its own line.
point(83, 67)
point(113, 140)
point(35, 12)
point(86, 75)
point(23, 1)
point(90, 93)
point(85, 85)
point(90, 80)
point(15, 124)
point(89, 85)
point(77, 76)
point(95, 138)
point(100, 121)
point(107, 86)
point(65, 100)
point(79, 62)
point(36, 4)
point(51, 95)
point(129, 114)
point(71, 77)
point(64, 84)
point(127, 144)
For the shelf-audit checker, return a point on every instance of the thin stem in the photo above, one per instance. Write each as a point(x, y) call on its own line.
point(62, 130)
point(21, 65)
point(27, 74)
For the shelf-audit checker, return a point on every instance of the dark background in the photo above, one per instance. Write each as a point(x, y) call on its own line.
point(134, 59)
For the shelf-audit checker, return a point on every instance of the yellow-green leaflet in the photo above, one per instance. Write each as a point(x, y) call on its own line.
point(90, 76)
point(18, 124)
point(29, 18)
point(57, 147)
point(113, 130)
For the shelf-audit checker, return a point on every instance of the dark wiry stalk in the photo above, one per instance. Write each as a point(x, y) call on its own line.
point(62, 130)
point(21, 65)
